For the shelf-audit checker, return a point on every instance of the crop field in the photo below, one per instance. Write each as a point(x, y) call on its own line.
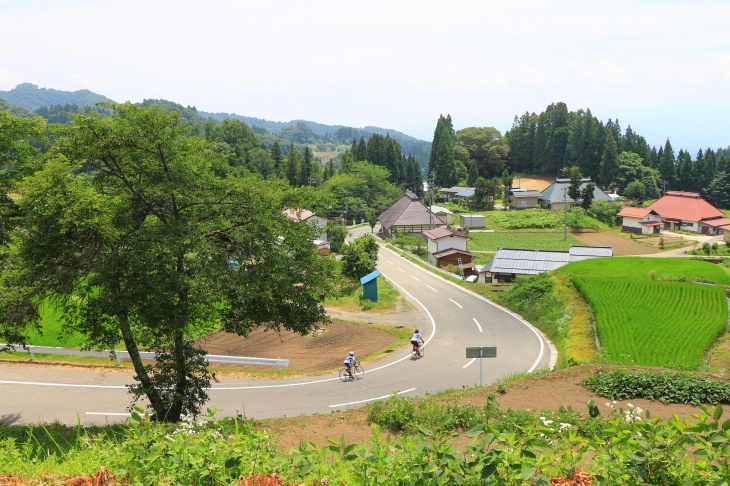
point(650, 268)
point(528, 219)
point(655, 323)
point(527, 240)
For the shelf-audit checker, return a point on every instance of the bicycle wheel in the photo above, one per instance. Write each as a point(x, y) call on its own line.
point(423, 350)
point(359, 372)
point(344, 375)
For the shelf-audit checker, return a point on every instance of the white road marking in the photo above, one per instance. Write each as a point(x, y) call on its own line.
point(517, 317)
point(66, 385)
point(452, 300)
point(477, 323)
point(470, 362)
point(390, 261)
point(431, 288)
point(370, 399)
point(399, 268)
point(414, 277)
point(110, 413)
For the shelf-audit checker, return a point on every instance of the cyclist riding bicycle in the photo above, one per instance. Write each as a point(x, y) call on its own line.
point(349, 361)
point(415, 342)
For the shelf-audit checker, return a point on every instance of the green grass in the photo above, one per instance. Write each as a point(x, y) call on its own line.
point(352, 299)
point(52, 333)
point(526, 240)
point(680, 269)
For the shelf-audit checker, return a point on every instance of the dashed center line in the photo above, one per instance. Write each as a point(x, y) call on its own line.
point(401, 270)
point(455, 302)
point(431, 288)
point(414, 277)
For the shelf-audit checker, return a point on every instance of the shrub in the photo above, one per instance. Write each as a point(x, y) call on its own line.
point(663, 387)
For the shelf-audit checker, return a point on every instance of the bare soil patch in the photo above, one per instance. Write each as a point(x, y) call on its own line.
point(621, 246)
point(534, 183)
point(323, 351)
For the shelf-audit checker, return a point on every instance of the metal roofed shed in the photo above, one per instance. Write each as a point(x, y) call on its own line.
point(472, 220)
point(370, 286)
point(510, 263)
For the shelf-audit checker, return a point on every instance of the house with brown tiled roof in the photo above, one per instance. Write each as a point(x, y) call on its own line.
point(678, 210)
point(448, 247)
point(408, 215)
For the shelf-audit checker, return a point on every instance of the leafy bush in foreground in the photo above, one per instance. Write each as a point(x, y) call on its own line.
point(662, 387)
point(621, 449)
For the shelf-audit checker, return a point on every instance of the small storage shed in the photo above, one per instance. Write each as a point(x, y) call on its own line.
point(370, 286)
point(472, 220)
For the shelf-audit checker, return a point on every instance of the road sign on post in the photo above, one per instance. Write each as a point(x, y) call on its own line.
point(482, 352)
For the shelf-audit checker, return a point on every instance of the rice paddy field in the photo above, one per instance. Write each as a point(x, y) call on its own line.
point(654, 312)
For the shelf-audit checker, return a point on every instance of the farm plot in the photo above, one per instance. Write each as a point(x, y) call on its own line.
point(655, 323)
point(527, 240)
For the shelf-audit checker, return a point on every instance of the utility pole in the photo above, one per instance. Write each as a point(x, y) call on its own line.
point(565, 212)
point(432, 176)
point(664, 187)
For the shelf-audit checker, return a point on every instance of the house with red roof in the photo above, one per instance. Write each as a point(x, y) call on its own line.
point(448, 247)
point(642, 221)
point(408, 215)
point(319, 223)
point(676, 210)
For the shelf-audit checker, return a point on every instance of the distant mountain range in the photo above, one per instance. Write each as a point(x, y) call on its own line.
point(30, 97)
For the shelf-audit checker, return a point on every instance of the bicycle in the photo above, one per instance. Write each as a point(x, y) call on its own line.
point(414, 353)
point(358, 372)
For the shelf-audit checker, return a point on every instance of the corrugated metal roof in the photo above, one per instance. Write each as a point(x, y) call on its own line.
point(531, 262)
point(436, 233)
point(591, 251)
point(465, 193)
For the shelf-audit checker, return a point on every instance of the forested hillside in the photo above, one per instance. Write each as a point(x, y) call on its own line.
point(556, 142)
point(55, 106)
point(31, 97)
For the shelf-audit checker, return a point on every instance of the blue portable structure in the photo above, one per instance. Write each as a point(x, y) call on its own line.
point(370, 286)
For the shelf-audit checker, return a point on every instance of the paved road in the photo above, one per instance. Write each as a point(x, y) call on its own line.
point(453, 320)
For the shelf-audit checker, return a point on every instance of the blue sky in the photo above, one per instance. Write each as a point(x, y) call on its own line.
point(662, 67)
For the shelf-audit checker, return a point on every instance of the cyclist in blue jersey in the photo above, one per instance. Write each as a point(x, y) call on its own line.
point(349, 362)
point(416, 341)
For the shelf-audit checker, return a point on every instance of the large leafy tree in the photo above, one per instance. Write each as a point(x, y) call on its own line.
point(19, 140)
point(486, 148)
point(139, 250)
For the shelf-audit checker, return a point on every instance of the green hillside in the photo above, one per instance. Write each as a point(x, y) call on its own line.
point(31, 97)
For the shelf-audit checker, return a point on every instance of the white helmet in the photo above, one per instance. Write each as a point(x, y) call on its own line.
point(352, 354)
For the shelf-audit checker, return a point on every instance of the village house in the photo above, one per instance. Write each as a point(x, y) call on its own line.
point(556, 195)
point(524, 199)
point(676, 210)
point(448, 247)
point(444, 214)
point(319, 223)
point(643, 221)
point(408, 215)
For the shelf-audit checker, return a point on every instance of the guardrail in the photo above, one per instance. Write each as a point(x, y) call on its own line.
point(213, 358)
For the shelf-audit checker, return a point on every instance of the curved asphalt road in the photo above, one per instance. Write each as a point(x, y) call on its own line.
point(453, 320)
